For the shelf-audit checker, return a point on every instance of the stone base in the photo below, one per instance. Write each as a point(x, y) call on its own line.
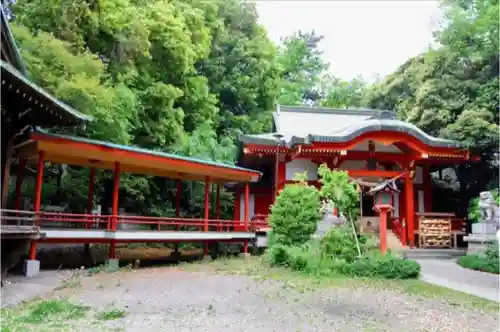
point(112, 264)
point(477, 243)
point(245, 255)
point(207, 258)
point(31, 268)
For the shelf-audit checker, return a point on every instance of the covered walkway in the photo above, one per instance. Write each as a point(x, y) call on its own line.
point(114, 228)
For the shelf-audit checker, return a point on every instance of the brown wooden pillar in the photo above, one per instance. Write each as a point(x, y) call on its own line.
point(19, 184)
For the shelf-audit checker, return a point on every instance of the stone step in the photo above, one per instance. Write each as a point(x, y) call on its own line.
point(434, 253)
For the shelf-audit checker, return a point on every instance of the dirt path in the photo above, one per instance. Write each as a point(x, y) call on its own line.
point(172, 299)
point(201, 297)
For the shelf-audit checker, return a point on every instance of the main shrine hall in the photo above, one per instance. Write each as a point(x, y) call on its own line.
point(371, 145)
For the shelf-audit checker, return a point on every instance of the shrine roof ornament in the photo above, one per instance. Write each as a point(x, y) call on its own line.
point(306, 125)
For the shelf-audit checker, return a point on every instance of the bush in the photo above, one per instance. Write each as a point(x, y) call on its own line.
point(336, 254)
point(295, 214)
point(479, 263)
point(488, 263)
point(386, 266)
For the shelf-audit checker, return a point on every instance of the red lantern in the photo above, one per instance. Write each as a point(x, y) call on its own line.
point(383, 204)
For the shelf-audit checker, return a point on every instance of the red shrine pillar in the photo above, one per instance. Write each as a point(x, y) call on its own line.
point(90, 200)
point(114, 208)
point(410, 210)
point(207, 212)
point(38, 200)
point(246, 215)
point(19, 184)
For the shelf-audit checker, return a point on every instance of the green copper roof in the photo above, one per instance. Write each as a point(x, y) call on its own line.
point(135, 149)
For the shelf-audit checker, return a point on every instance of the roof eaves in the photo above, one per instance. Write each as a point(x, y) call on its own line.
point(14, 53)
point(342, 111)
point(151, 152)
point(407, 128)
point(57, 103)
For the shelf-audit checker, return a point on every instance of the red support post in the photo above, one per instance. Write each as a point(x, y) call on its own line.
point(38, 199)
point(246, 211)
point(207, 205)
point(19, 184)
point(217, 203)
point(410, 210)
point(383, 231)
point(116, 188)
point(90, 199)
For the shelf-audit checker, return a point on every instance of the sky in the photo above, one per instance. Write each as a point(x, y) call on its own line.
point(361, 38)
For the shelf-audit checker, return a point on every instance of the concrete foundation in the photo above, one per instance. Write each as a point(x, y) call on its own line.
point(477, 243)
point(31, 268)
point(245, 255)
point(207, 258)
point(112, 264)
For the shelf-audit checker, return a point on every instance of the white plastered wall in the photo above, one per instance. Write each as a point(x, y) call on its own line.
point(300, 166)
point(251, 206)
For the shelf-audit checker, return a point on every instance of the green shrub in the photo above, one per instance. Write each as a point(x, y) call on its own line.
point(480, 263)
point(278, 254)
point(385, 266)
point(340, 243)
point(295, 214)
point(492, 251)
point(336, 254)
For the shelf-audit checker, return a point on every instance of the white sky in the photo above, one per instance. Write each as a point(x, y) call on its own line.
point(361, 37)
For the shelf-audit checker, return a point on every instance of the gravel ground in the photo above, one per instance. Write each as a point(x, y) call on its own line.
point(173, 299)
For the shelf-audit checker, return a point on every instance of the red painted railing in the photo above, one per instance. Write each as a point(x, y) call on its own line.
point(398, 229)
point(120, 222)
point(260, 221)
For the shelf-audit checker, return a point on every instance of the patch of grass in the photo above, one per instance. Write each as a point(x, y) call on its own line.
point(260, 269)
point(47, 309)
point(111, 314)
point(54, 314)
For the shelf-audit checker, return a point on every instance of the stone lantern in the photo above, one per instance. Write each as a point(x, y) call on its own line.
point(383, 204)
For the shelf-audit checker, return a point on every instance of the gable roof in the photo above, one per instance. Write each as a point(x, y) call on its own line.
point(305, 125)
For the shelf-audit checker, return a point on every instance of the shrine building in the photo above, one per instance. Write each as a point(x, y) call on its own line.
point(371, 145)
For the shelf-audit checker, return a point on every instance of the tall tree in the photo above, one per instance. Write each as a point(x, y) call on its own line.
point(452, 91)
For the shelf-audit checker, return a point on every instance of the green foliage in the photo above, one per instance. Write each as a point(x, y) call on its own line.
point(451, 91)
point(337, 187)
point(305, 78)
point(336, 254)
point(295, 214)
point(182, 76)
point(383, 266)
point(489, 262)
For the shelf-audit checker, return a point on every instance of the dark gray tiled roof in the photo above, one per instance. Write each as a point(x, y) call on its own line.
point(307, 125)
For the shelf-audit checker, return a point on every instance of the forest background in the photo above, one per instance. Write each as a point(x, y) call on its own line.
point(186, 76)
